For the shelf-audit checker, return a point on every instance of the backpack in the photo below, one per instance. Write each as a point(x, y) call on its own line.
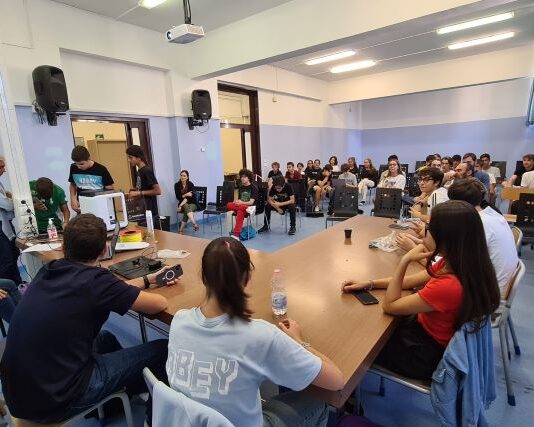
point(247, 233)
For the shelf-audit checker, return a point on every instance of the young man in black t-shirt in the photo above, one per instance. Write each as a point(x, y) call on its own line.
point(146, 184)
point(247, 194)
point(528, 165)
point(281, 198)
point(58, 362)
point(86, 174)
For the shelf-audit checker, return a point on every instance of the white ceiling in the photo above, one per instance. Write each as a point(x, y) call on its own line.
point(415, 42)
point(210, 14)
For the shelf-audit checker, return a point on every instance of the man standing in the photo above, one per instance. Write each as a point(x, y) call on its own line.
point(60, 319)
point(281, 198)
point(9, 253)
point(146, 185)
point(48, 199)
point(86, 174)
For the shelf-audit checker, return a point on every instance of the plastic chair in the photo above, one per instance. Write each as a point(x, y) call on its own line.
point(419, 164)
point(500, 320)
point(518, 238)
point(501, 165)
point(224, 195)
point(525, 217)
point(388, 203)
point(345, 205)
point(79, 417)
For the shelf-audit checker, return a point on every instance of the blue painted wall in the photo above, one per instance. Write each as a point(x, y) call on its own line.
point(504, 139)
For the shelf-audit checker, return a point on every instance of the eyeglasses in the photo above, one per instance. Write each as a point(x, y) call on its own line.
point(424, 179)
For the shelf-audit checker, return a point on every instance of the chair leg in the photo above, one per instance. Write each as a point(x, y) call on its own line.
point(506, 365)
point(514, 336)
point(127, 409)
point(382, 387)
point(358, 408)
point(3, 328)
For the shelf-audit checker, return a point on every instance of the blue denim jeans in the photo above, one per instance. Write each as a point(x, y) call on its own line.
point(294, 409)
point(8, 304)
point(117, 368)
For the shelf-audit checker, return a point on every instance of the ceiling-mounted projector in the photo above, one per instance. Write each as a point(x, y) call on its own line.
point(185, 33)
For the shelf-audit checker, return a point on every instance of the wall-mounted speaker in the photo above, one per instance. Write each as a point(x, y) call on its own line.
point(201, 104)
point(50, 89)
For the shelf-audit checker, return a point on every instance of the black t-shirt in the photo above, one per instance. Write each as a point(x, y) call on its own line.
point(316, 174)
point(245, 193)
point(283, 195)
point(519, 172)
point(95, 178)
point(146, 181)
point(371, 174)
point(179, 190)
point(48, 359)
point(272, 174)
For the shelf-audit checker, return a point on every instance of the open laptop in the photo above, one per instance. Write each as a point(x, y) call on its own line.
point(113, 244)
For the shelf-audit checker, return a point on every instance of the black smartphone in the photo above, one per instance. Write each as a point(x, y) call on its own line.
point(365, 297)
point(171, 274)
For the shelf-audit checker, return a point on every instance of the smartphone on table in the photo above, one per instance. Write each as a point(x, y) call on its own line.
point(365, 297)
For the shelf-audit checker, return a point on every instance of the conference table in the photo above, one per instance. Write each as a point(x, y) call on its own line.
point(336, 324)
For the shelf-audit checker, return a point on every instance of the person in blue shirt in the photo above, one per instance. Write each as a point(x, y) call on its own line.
point(483, 177)
point(219, 356)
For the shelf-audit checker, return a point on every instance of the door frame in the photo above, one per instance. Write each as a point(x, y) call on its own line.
point(144, 136)
point(253, 127)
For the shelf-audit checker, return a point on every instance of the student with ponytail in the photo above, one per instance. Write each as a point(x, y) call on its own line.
point(219, 356)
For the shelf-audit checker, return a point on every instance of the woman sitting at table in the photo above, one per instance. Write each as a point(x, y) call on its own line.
point(188, 204)
point(459, 288)
point(219, 355)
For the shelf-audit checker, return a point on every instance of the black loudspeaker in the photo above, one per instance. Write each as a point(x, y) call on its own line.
point(201, 103)
point(50, 89)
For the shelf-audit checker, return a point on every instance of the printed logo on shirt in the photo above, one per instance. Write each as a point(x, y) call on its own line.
point(201, 378)
point(245, 195)
point(88, 182)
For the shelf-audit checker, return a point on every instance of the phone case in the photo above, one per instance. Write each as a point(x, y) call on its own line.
point(173, 273)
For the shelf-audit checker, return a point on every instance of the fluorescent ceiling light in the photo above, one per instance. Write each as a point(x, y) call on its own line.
point(331, 57)
point(484, 40)
point(149, 4)
point(352, 66)
point(476, 23)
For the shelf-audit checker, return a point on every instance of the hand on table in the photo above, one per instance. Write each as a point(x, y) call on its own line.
point(291, 328)
point(354, 285)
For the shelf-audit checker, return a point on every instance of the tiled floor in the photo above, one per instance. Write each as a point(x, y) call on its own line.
point(400, 407)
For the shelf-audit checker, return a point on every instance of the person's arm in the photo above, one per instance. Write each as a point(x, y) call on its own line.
point(512, 180)
point(393, 302)
point(291, 201)
point(330, 376)
point(66, 213)
point(74, 204)
point(147, 302)
point(6, 202)
point(154, 191)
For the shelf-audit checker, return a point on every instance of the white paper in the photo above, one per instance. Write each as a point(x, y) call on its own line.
point(42, 247)
point(168, 253)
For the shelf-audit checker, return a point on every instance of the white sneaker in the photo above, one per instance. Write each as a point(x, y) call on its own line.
point(316, 209)
point(235, 237)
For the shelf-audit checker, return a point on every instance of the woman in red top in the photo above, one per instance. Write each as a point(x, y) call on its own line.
point(460, 287)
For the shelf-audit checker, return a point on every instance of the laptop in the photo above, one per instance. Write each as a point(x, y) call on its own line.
point(113, 244)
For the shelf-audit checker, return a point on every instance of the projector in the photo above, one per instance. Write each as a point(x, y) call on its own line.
point(185, 33)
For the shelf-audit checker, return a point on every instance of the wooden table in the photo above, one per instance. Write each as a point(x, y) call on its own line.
point(313, 269)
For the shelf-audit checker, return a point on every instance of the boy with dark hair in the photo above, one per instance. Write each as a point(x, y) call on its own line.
point(483, 177)
point(85, 174)
point(146, 184)
point(300, 169)
point(57, 360)
point(246, 197)
point(281, 198)
point(48, 198)
point(275, 170)
point(291, 172)
point(430, 182)
point(528, 166)
point(456, 160)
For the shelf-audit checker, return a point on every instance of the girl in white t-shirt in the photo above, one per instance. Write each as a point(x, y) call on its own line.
point(219, 356)
point(394, 177)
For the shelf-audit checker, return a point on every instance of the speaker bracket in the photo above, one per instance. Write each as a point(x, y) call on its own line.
point(192, 122)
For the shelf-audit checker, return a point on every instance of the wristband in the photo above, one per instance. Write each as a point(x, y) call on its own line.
point(147, 282)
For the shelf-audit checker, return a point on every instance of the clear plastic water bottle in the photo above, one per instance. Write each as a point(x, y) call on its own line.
point(51, 230)
point(278, 295)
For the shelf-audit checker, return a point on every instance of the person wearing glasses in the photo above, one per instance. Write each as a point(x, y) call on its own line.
point(430, 182)
point(393, 177)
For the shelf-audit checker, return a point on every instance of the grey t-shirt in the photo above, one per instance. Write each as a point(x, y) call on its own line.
point(350, 178)
point(221, 362)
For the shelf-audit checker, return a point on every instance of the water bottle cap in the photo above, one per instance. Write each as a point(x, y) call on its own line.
point(277, 270)
point(50, 221)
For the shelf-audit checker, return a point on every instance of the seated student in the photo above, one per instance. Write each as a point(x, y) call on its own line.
point(527, 180)
point(58, 362)
point(368, 179)
point(86, 174)
point(246, 196)
point(527, 166)
point(456, 160)
point(187, 200)
point(300, 167)
point(393, 177)
point(483, 177)
point(479, 166)
point(349, 178)
point(309, 167)
point(281, 198)
point(48, 199)
point(244, 352)
point(315, 174)
point(499, 236)
point(332, 161)
point(9, 298)
point(386, 172)
point(275, 171)
point(323, 186)
point(353, 166)
point(291, 172)
point(430, 183)
point(459, 288)
point(146, 184)
point(436, 162)
point(448, 171)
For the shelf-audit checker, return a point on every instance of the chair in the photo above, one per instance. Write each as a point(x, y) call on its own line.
point(518, 238)
point(502, 167)
point(201, 193)
point(500, 320)
point(345, 204)
point(388, 203)
point(225, 195)
point(404, 168)
point(180, 410)
point(335, 175)
point(412, 185)
point(525, 217)
point(512, 194)
point(17, 422)
point(419, 164)
point(381, 169)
